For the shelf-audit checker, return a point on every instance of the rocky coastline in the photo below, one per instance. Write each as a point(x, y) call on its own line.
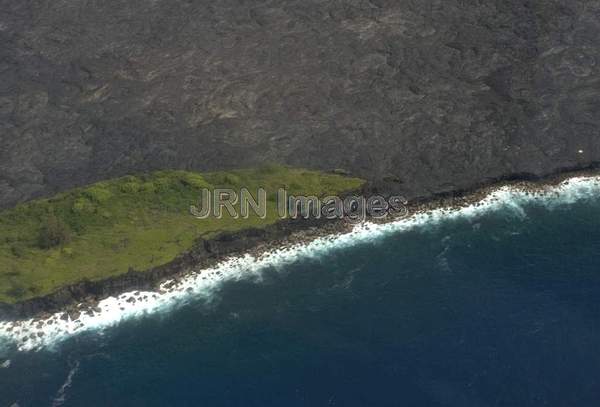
point(75, 299)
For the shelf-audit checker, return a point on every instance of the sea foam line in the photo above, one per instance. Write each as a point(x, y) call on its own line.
point(37, 334)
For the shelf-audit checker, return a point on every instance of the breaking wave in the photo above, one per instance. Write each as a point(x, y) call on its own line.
point(36, 334)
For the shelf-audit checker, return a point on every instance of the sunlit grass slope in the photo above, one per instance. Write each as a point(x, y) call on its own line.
point(132, 222)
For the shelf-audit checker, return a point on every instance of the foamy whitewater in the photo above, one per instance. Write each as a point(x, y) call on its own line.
point(36, 334)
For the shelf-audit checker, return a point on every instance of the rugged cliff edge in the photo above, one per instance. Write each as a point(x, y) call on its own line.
point(423, 97)
point(208, 252)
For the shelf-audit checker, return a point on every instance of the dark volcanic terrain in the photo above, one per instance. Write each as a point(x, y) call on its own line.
point(424, 96)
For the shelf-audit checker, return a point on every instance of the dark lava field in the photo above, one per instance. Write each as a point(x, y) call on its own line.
point(418, 96)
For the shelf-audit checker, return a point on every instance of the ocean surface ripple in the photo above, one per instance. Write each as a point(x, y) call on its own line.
point(37, 334)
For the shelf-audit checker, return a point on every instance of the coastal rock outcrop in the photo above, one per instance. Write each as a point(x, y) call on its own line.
point(203, 254)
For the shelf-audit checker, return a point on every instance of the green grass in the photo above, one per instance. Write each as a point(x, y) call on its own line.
point(131, 222)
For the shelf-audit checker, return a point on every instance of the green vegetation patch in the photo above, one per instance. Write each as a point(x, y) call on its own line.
point(134, 222)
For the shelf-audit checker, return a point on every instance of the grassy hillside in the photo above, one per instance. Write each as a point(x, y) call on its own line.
point(136, 221)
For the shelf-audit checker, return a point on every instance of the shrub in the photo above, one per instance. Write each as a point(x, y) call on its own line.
point(226, 180)
point(148, 187)
point(17, 250)
point(54, 232)
point(130, 187)
point(195, 181)
point(83, 204)
point(162, 184)
point(97, 194)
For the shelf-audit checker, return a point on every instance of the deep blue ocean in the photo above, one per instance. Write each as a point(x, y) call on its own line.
point(501, 309)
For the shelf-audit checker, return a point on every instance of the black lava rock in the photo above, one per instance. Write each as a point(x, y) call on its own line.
point(420, 97)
